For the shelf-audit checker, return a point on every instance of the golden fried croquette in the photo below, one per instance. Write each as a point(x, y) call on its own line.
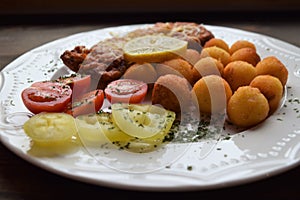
point(246, 54)
point(271, 88)
point(162, 69)
point(211, 93)
point(218, 43)
point(207, 66)
point(142, 72)
point(241, 44)
point(176, 66)
point(217, 53)
point(239, 73)
point(192, 56)
point(272, 66)
point(172, 92)
point(247, 107)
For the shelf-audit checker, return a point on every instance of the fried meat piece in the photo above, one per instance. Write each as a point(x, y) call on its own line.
point(75, 57)
point(191, 32)
point(105, 62)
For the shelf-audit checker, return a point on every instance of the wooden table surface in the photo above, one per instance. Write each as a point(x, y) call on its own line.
point(22, 180)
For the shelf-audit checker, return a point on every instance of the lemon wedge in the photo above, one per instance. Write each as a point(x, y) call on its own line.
point(142, 121)
point(153, 48)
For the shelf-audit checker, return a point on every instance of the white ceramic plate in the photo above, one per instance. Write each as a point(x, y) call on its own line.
point(268, 149)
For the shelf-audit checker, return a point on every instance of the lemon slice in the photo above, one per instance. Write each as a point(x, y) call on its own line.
point(89, 130)
point(154, 48)
point(111, 130)
point(128, 143)
point(142, 121)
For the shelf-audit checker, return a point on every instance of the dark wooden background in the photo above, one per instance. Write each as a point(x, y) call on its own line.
point(27, 24)
point(138, 6)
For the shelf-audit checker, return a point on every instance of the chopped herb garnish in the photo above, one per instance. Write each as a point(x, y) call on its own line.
point(227, 138)
point(12, 103)
point(127, 145)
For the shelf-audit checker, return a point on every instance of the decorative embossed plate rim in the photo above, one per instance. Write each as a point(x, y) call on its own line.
point(265, 150)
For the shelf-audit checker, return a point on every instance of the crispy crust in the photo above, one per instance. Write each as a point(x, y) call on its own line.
point(105, 62)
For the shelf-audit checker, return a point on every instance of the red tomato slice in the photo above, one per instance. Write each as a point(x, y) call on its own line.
point(79, 84)
point(88, 103)
point(126, 91)
point(46, 96)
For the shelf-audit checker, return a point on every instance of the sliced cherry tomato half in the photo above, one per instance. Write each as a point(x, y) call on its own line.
point(126, 91)
point(79, 84)
point(88, 103)
point(46, 96)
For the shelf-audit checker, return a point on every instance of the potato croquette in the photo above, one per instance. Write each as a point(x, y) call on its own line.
point(246, 54)
point(212, 94)
point(218, 43)
point(142, 72)
point(192, 56)
point(272, 66)
point(271, 88)
point(172, 92)
point(207, 66)
point(176, 66)
point(247, 107)
point(217, 53)
point(241, 44)
point(239, 73)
